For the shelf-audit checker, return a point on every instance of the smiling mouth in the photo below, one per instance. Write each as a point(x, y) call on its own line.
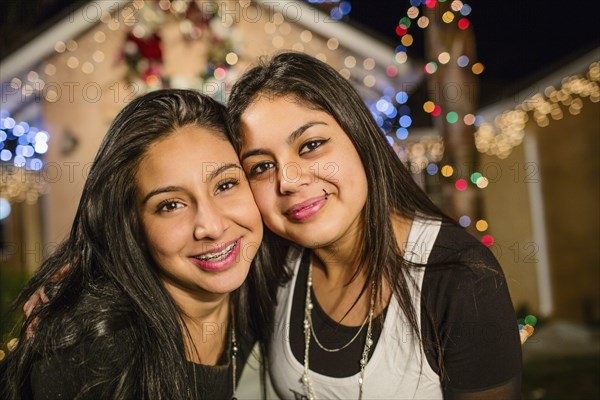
point(307, 209)
point(217, 256)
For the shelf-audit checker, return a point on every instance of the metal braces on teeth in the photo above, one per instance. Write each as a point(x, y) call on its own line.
point(225, 252)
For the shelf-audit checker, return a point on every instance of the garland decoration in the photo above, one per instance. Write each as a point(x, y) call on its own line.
point(197, 20)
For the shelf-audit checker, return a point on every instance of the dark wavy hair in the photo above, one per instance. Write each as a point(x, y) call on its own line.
point(112, 284)
point(391, 189)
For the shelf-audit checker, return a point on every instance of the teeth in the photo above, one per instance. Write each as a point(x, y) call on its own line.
point(217, 256)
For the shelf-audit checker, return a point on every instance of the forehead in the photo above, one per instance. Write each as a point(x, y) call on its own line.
point(278, 113)
point(190, 139)
point(184, 154)
point(272, 101)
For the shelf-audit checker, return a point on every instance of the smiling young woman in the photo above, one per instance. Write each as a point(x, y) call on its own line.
point(322, 186)
point(201, 229)
point(154, 303)
point(387, 296)
point(196, 208)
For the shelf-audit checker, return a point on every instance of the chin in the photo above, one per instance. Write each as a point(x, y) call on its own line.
point(313, 242)
point(314, 236)
point(227, 283)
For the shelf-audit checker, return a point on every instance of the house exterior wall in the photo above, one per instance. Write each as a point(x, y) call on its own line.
point(566, 172)
point(570, 172)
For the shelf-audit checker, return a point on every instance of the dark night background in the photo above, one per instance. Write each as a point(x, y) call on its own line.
point(518, 41)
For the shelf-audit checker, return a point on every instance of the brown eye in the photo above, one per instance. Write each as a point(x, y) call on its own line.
point(261, 167)
point(227, 185)
point(312, 145)
point(169, 205)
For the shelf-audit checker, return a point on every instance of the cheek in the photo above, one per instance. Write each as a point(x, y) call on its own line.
point(243, 211)
point(263, 197)
point(164, 238)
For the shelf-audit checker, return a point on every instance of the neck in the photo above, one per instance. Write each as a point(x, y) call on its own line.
point(334, 267)
point(338, 261)
point(206, 319)
point(197, 306)
point(401, 226)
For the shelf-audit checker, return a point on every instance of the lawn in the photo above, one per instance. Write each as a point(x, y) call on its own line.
point(565, 378)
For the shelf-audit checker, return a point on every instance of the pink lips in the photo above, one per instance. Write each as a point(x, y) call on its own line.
point(224, 258)
point(307, 209)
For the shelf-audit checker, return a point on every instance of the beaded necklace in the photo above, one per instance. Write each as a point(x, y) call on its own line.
point(309, 331)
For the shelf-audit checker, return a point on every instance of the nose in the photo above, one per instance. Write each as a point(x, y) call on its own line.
point(291, 178)
point(210, 222)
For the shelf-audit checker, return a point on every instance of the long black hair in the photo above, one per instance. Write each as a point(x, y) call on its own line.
point(111, 283)
point(391, 189)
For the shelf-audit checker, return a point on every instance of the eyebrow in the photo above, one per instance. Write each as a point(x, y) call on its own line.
point(222, 169)
point(291, 138)
point(170, 189)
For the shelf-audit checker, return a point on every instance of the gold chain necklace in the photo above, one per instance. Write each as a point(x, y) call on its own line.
point(309, 331)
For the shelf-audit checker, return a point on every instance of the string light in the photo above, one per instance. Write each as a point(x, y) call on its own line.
point(369, 80)
point(432, 169)
point(332, 44)
point(22, 146)
point(73, 62)
point(423, 22)
point(350, 62)
point(401, 57)
point(452, 117)
point(15, 83)
point(345, 73)
point(481, 225)
point(87, 67)
point(462, 61)
point(469, 119)
point(407, 40)
point(461, 184)
point(71, 45)
point(448, 17)
point(321, 57)
point(477, 68)
point(463, 23)
point(475, 176)
point(231, 58)
point(456, 5)
point(60, 47)
point(306, 36)
point(444, 57)
point(99, 37)
point(431, 67)
point(487, 240)
point(413, 12)
point(482, 182)
point(499, 137)
point(526, 327)
point(447, 171)
point(464, 221)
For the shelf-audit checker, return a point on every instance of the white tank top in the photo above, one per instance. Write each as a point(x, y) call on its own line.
point(398, 368)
